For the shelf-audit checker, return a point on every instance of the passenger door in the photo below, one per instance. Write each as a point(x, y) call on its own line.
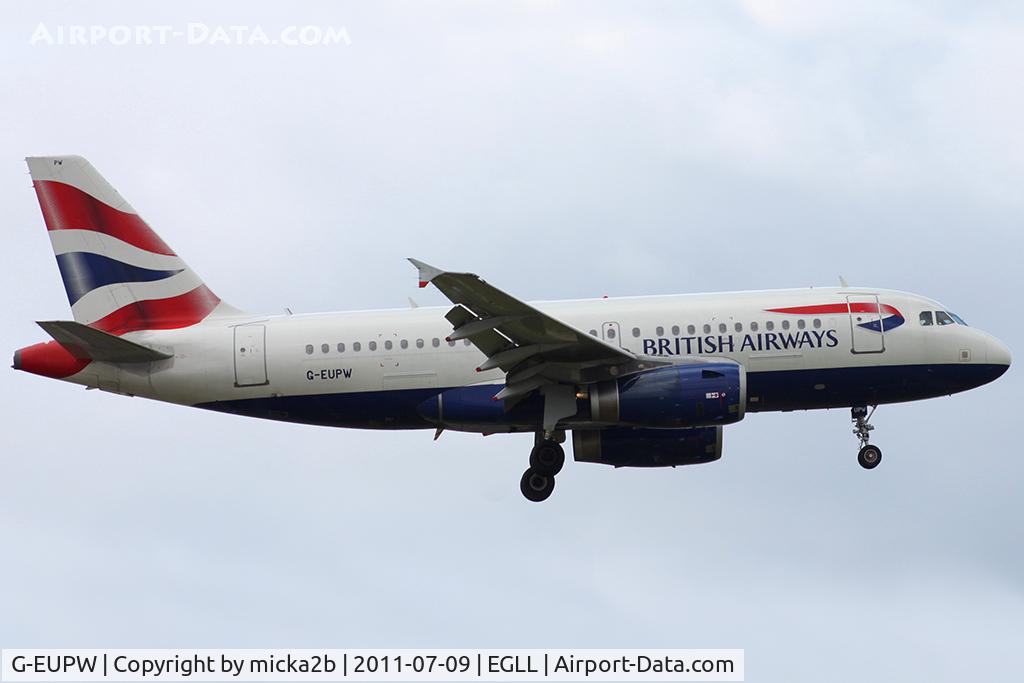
point(250, 355)
point(866, 326)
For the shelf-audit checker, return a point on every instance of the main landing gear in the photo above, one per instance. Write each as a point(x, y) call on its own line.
point(546, 460)
point(869, 456)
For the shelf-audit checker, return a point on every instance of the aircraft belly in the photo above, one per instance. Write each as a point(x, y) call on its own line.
point(871, 385)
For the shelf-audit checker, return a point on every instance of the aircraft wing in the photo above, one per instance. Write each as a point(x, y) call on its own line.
point(530, 346)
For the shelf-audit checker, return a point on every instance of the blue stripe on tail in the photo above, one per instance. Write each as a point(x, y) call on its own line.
point(83, 272)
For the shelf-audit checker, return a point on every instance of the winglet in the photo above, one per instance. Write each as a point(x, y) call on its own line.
point(427, 272)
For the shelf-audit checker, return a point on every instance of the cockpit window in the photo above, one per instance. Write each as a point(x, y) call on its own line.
point(957, 318)
point(942, 318)
point(926, 318)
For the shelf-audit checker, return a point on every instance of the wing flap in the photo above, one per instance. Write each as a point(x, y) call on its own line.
point(482, 336)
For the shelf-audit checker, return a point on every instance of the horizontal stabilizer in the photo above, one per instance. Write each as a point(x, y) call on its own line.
point(88, 343)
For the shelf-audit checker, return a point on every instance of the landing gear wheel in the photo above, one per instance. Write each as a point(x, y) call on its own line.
point(869, 457)
point(547, 458)
point(536, 486)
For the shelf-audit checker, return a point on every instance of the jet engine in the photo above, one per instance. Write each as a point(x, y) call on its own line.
point(624, 447)
point(694, 395)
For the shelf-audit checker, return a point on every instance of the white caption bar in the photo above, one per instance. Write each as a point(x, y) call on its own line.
point(371, 665)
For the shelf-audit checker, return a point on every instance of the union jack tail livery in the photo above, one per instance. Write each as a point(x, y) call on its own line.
point(119, 275)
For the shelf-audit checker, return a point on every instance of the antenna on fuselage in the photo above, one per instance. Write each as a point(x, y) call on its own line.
point(843, 283)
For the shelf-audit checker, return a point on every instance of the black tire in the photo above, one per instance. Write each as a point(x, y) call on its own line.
point(536, 486)
point(869, 457)
point(547, 458)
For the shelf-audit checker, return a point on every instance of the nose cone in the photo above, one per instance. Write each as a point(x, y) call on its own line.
point(998, 354)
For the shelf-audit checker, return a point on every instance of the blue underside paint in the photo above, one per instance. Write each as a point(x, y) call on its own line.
point(784, 390)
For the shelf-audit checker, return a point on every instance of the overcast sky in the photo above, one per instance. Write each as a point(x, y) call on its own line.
point(561, 150)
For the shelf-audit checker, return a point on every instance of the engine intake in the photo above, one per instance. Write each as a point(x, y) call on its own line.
point(677, 396)
point(624, 447)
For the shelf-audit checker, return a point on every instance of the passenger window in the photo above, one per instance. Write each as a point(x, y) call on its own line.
point(611, 333)
point(707, 328)
point(465, 342)
point(817, 323)
point(660, 331)
point(451, 342)
point(636, 331)
point(675, 330)
point(372, 345)
point(942, 318)
point(387, 344)
point(690, 329)
point(785, 324)
point(753, 327)
point(309, 348)
point(356, 346)
point(404, 344)
point(324, 348)
point(801, 324)
point(419, 343)
point(925, 318)
point(738, 327)
point(341, 348)
point(593, 333)
point(722, 328)
point(435, 342)
point(769, 326)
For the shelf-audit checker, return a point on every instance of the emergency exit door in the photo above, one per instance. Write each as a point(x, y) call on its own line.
point(250, 355)
point(866, 324)
point(610, 333)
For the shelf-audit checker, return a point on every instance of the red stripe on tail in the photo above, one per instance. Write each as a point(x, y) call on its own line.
point(67, 208)
point(160, 314)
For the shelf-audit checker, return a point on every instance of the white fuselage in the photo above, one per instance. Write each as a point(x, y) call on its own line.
point(793, 361)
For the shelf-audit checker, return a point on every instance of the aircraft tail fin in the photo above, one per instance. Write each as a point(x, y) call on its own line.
point(119, 275)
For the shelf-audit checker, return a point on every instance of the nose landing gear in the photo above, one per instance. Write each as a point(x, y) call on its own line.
point(869, 455)
point(546, 460)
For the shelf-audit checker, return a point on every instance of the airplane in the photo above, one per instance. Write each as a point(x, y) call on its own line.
point(639, 382)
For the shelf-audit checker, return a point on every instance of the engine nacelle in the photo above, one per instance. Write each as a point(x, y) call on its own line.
point(473, 408)
point(676, 396)
point(624, 447)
